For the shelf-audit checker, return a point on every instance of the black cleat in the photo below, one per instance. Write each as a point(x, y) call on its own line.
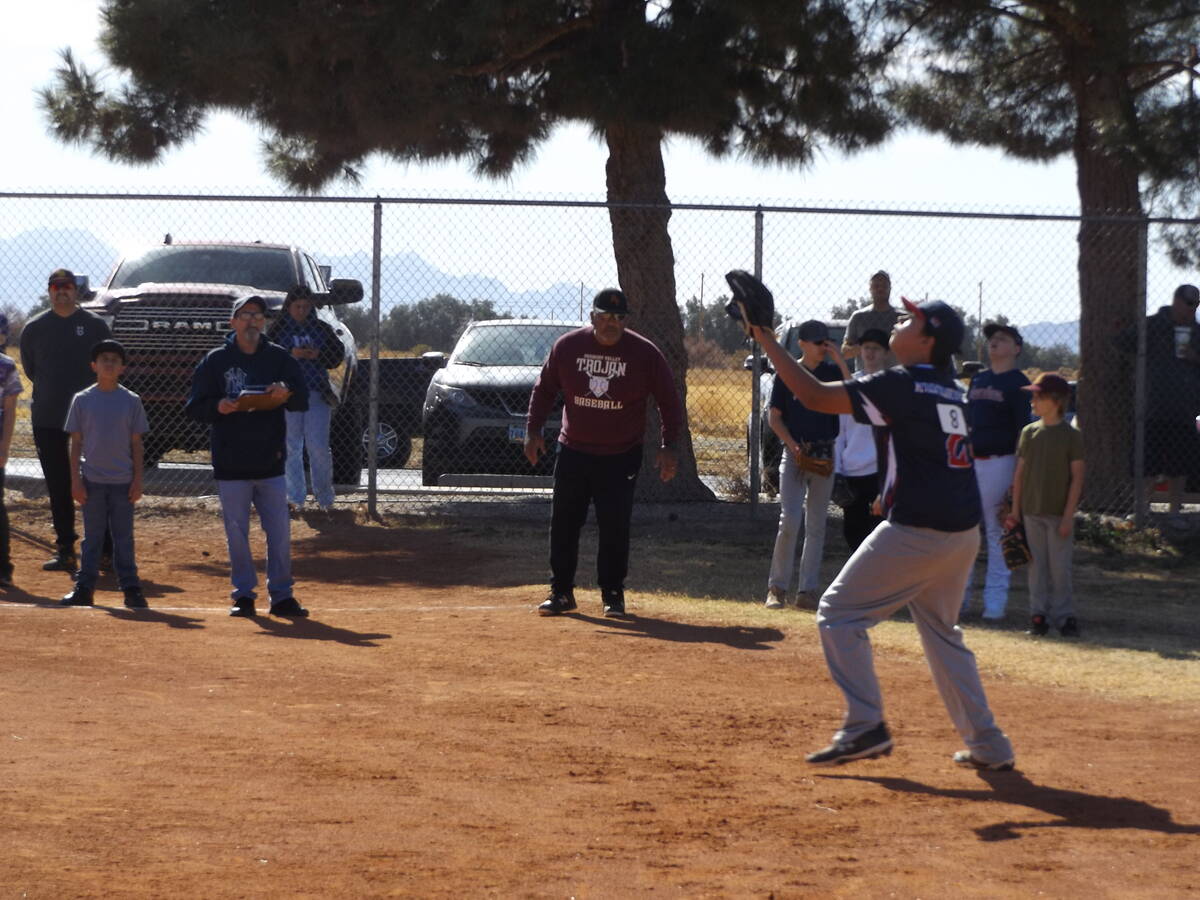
point(1069, 628)
point(78, 597)
point(288, 608)
point(870, 744)
point(1038, 626)
point(134, 598)
point(557, 604)
point(243, 607)
point(614, 603)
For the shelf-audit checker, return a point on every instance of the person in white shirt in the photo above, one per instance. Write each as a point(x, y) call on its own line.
point(854, 453)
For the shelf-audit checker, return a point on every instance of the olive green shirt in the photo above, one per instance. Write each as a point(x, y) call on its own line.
point(1047, 452)
point(863, 321)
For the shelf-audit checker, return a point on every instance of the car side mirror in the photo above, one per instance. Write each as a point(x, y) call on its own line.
point(435, 359)
point(343, 291)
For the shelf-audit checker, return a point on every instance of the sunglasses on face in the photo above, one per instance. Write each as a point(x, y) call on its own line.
point(612, 317)
point(62, 283)
point(247, 315)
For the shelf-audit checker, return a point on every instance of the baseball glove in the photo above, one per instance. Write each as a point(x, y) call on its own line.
point(1015, 547)
point(752, 303)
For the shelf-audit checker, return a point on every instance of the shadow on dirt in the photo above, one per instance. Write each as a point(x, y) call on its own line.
point(312, 630)
point(739, 637)
point(1073, 809)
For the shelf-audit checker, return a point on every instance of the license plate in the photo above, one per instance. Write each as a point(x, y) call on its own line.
point(516, 433)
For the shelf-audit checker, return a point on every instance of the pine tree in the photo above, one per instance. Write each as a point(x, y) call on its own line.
point(487, 82)
point(1108, 81)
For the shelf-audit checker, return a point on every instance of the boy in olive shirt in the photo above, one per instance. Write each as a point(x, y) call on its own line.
point(1046, 489)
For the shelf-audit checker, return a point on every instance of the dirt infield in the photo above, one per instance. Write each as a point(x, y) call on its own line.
point(425, 734)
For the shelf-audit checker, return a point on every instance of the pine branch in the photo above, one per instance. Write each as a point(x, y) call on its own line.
point(535, 51)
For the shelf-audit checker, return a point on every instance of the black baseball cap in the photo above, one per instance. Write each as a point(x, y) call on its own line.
point(941, 323)
point(875, 336)
point(1189, 294)
point(992, 327)
point(611, 300)
point(108, 345)
point(242, 301)
point(297, 292)
point(813, 330)
point(61, 275)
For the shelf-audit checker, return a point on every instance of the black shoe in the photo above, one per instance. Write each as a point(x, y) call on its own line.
point(62, 561)
point(243, 607)
point(289, 608)
point(557, 604)
point(1038, 625)
point(614, 603)
point(78, 597)
point(876, 742)
point(1069, 628)
point(134, 598)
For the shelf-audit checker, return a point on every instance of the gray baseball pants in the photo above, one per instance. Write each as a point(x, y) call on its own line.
point(1049, 570)
point(926, 570)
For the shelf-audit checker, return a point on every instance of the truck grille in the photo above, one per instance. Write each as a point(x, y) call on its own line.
point(188, 326)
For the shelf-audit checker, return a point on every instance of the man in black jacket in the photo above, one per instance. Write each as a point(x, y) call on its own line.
point(56, 353)
point(242, 389)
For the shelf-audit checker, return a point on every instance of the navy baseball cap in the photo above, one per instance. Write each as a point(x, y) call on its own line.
point(992, 327)
point(108, 345)
point(875, 336)
point(1189, 294)
point(941, 323)
point(242, 301)
point(611, 300)
point(813, 330)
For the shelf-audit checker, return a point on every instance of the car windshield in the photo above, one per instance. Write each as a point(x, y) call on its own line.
point(265, 268)
point(508, 345)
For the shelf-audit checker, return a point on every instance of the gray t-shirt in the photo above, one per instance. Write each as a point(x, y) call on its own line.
point(107, 420)
point(863, 321)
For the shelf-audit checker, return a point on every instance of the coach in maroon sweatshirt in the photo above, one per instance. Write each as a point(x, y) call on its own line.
point(605, 374)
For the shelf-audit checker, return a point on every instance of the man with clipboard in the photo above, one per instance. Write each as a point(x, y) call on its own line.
point(242, 389)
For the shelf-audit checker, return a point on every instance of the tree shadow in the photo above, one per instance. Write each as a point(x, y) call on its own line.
point(739, 637)
point(1073, 809)
point(312, 630)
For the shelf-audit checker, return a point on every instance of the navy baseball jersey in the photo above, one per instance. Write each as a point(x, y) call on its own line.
point(997, 410)
point(803, 423)
point(927, 477)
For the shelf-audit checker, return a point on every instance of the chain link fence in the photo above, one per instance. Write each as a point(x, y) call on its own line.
point(461, 298)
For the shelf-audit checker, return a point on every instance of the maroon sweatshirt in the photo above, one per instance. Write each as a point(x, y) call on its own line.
point(604, 392)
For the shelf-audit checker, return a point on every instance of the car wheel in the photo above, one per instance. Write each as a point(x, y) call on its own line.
point(392, 448)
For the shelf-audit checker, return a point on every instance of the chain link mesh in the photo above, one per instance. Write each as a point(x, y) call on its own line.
point(488, 284)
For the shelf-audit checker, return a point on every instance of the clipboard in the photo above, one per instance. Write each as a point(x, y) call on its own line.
point(259, 401)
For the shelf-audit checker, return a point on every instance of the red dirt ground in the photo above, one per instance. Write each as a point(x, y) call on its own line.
point(425, 734)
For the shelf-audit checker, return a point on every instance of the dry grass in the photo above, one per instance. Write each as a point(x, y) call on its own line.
point(718, 402)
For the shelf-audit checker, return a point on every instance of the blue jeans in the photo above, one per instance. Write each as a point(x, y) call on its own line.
point(107, 507)
point(269, 497)
point(310, 430)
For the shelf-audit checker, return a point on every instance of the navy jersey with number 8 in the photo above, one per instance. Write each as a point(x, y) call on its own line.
point(926, 471)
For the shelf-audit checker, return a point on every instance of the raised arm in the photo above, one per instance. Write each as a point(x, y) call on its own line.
point(816, 395)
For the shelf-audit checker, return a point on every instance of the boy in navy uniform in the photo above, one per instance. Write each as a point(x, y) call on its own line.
point(997, 410)
point(920, 556)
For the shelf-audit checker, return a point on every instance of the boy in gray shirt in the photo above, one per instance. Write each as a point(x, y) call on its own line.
point(106, 423)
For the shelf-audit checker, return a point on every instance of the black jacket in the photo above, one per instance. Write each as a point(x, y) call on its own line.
point(1172, 383)
point(246, 445)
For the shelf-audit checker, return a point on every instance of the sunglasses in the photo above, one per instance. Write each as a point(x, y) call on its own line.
point(611, 316)
point(62, 283)
point(247, 314)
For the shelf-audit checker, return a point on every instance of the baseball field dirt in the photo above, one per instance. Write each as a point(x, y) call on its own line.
point(425, 734)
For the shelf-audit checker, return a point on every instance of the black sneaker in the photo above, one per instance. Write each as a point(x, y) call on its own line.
point(967, 758)
point(1069, 628)
point(134, 598)
point(614, 603)
point(289, 608)
point(1038, 625)
point(78, 597)
point(870, 744)
point(62, 561)
point(556, 604)
point(243, 607)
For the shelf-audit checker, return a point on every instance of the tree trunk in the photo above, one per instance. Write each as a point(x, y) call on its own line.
point(646, 271)
point(1109, 294)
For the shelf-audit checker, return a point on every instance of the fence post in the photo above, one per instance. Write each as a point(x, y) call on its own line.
point(755, 448)
point(1141, 496)
point(373, 396)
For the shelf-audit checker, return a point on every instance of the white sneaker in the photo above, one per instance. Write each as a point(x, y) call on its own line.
point(774, 598)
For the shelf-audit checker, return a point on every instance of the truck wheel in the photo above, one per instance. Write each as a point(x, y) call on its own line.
point(345, 445)
point(392, 448)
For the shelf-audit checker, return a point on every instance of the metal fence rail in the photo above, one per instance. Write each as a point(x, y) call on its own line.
point(431, 266)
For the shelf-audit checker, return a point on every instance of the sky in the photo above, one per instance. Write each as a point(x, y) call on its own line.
point(910, 171)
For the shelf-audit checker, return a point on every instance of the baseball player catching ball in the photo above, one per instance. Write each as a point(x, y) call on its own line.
point(921, 554)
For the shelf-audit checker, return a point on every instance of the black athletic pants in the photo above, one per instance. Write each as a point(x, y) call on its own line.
point(54, 453)
point(581, 479)
point(857, 519)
